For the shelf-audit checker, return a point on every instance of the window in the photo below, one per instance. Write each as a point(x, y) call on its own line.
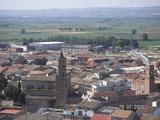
point(72, 113)
point(80, 113)
point(43, 87)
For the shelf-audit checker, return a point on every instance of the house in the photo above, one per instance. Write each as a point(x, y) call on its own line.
point(47, 115)
point(10, 112)
point(15, 49)
point(156, 103)
point(4, 46)
point(150, 117)
point(73, 111)
point(12, 71)
point(5, 62)
point(106, 110)
point(89, 105)
point(100, 117)
point(149, 111)
point(19, 48)
point(138, 86)
point(122, 115)
point(5, 117)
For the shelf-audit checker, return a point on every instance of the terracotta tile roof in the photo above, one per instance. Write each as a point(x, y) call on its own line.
point(91, 65)
point(147, 109)
point(11, 71)
point(45, 116)
point(84, 56)
point(154, 95)
point(30, 67)
point(88, 104)
point(2, 69)
point(138, 81)
point(16, 66)
point(33, 56)
point(121, 113)
point(100, 117)
point(150, 117)
point(36, 72)
point(41, 77)
point(10, 110)
point(129, 92)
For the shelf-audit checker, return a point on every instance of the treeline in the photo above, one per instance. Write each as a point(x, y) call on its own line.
point(101, 40)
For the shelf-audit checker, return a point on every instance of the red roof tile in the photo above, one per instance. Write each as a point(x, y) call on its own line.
point(100, 117)
point(10, 111)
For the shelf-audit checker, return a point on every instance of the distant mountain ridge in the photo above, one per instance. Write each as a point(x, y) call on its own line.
point(85, 13)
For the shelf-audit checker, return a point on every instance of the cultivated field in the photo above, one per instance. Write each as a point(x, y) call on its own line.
point(88, 28)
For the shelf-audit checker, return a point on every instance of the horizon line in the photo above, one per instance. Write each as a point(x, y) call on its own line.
point(82, 8)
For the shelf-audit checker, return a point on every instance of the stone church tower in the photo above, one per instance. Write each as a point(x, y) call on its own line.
point(150, 86)
point(62, 83)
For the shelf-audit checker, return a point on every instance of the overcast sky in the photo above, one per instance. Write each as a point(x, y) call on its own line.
point(44, 4)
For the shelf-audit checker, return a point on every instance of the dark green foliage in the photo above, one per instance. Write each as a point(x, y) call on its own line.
point(19, 96)
point(23, 31)
point(10, 91)
point(40, 61)
point(103, 75)
point(101, 40)
point(21, 60)
point(134, 44)
point(27, 41)
point(62, 38)
point(3, 82)
point(134, 31)
point(15, 97)
point(51, 102)
point(2, 96)
point(145, 36)
point(22, 99)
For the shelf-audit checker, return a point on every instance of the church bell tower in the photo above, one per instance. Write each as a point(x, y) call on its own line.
point(62, 83)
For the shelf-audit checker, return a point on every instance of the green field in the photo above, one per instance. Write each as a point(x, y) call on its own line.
point(41, 29)
point(144, 44)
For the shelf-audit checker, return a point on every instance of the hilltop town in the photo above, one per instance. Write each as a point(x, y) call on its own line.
point(60, 81)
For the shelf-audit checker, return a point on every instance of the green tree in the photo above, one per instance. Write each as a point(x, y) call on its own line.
point(21, 60)
point(23, 31)
point(3, 82)
point(22, 99)
point(103, 75)
point(145, 36)
point(10, 91)
point(51, 102)
point(19, 96)
point(134, 32)
point(62, 38)
point(40, 61)
point(134, 44)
